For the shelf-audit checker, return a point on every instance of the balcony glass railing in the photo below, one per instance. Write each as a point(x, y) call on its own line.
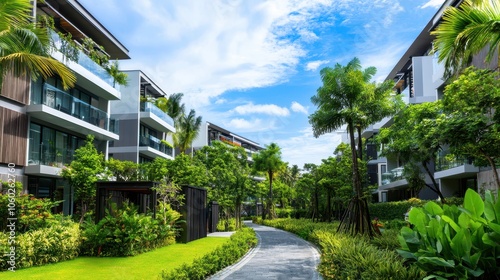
point(447, 161)
point(392, 176)
point(62, 101)
point(50, 156)
point(150, 107)
point(85, 61)
point(155, 143)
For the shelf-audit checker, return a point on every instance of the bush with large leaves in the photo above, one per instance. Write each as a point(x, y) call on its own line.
point(455, 242)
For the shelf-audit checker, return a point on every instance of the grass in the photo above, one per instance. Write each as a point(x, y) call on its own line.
point(145, 266)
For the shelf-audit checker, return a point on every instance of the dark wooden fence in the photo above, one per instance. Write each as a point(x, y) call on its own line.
point(213, 216)
point(194, 213)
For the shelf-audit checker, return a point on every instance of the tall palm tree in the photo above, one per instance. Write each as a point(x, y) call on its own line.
point(465, 31)
point(269, 161)
point(25, 47)
point(187, 129)
point(346, 97)
point(175, 108)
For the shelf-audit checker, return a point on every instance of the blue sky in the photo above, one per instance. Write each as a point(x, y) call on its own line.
point(251, 66)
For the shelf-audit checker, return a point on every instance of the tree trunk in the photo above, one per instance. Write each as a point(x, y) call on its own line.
point(435, 188)
point(360, 143)
point(494, 167)
point(356, 180)
point(270, 198)
point(328, 205)
point(356, 219)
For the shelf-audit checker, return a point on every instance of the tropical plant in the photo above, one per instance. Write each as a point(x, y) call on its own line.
point(466, 30)
point(414, 138)
point(114, 71)
point(25, 46)
point(347, 97)
point(471, 125)
point(187, 128)
point(269, 161)
point(82, 174)
point(455, 242)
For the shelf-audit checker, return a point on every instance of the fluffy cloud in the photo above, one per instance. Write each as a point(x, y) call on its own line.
point(267, 109)
point(433, 4)
point(313, 65)
point(298, 108)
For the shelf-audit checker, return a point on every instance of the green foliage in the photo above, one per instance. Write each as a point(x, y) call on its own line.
point(226, 224)
point(83, 172)
point(123, 170)
point(346, 257)
point(225, 255)
point(187, 128)
point(32, 213)
point(455, 242)
point(124, 232)
point(56, 242)
point(392, 210)
point(472, 123)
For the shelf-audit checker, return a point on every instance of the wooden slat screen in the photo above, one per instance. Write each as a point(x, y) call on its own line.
point(16, 88)
point(13, 137)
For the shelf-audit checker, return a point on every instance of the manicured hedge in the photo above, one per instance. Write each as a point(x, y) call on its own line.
point(56, 243)
point(227, 254)
point(391, 210)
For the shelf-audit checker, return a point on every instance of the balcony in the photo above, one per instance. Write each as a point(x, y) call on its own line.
point(449, 166)
point(392, 176)
point(90, 75)
point(154, 147)
point(58, 107)
point(48, 161)
point(156, 118)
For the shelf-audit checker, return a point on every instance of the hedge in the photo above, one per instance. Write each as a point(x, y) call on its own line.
point(56, 243)
point(225, 255)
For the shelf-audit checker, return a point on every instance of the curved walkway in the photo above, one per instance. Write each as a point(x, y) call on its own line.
point(278, 255)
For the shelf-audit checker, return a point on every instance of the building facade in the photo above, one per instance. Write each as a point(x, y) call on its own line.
point(41, 123)
point(210, 132)
point(418, 78)
point(146, 130)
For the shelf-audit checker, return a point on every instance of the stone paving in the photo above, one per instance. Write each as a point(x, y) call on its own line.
point(278, 255)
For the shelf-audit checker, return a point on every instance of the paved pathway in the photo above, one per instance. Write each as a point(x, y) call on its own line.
point(278, 255)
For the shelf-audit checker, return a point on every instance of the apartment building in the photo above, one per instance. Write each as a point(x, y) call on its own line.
point(418, 78)
point(149, 130)
point(210, 132)
point(41, 123)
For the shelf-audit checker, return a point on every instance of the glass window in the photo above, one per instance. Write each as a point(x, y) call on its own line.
point(34, 144)
point(48, 145)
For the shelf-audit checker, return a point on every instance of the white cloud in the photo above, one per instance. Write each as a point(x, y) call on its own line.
point(254, 125)
point(313, 65)
point(307, 149)
point(298, 108)
point(220, 101)
point(267, 109)
point(432, 4)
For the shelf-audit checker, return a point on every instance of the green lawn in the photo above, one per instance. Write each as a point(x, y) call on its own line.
point(145, 266)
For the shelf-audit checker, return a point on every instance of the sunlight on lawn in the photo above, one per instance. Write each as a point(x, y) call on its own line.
point(145, 266)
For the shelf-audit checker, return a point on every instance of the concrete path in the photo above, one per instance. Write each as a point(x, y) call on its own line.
point(278, 255)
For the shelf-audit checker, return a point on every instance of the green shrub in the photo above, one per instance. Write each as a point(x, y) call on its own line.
point(455, 242)
point(32, 213)
point(227, 254)
point(226, 225)
point(284, 212)
point(124, 232)
point(385, 211)
point(58, 242)
point(387, 240)
point(345, 257)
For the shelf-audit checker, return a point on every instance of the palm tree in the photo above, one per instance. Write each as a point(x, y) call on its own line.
point(465, 31)
point(118, 77)
point(187, 129)
point(269, 161)
point(25, 47)
point(346, 97)
point(175, 108)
